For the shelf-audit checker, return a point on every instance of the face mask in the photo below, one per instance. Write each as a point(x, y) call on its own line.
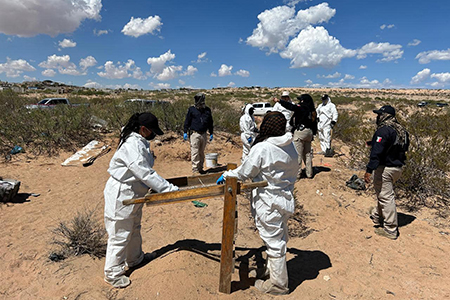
point(378, 119)
point(151, 136)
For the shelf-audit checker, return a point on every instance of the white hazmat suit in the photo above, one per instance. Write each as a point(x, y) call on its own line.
point(326, 113)
point(286, 113)
point(276, 161)
point(248, 130)
point(132, 174)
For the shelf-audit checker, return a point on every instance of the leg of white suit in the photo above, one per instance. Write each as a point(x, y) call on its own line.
point(135, 255)
point(120, 233)
point(325, 138)
point(273, 230)
point(245, 147)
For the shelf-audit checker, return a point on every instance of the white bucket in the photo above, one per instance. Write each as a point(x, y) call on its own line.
point(211, 160)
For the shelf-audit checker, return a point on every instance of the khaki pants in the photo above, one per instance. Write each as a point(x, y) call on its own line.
point(386, 211)
point(302, 142)
point(198, 145)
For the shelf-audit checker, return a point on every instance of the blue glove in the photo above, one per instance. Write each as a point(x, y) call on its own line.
point(221, 180)
point(185, 136)
point(210, 137)
point(250, 140)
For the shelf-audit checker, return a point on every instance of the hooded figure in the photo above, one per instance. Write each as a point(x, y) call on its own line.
point(272, 158)
point(132, 174)
point(198, 121)
point(248, 130)
point(327, 116)
point(387, 157)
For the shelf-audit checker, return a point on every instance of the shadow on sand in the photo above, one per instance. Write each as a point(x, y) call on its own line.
point(305, 265)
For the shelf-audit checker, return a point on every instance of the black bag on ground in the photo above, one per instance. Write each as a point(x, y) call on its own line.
point(8, 189)
point(356, 183)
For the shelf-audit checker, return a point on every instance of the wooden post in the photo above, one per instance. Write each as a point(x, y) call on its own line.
point(228, 230)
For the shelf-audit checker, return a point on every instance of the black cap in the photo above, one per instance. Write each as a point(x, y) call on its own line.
point(385, 109)
point(325, 97)
point(151, 122)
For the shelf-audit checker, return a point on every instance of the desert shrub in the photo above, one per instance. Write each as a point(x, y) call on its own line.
point(425, 179)
point(81, 235)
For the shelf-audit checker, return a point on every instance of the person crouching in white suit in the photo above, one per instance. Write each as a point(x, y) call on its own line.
point(248, 130)
point(272, 158)
point(132, 174)
point(327, 115)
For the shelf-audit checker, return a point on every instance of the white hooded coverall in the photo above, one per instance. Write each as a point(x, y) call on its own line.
point(248, 129)
point(326, 113)
point(286, 113)
point(276, 161)
point(131, 177)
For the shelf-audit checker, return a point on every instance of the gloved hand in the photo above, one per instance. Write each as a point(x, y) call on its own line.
point(221, 180)
point(210, 137)
point(332, 124)
point(250, 140)
point(185, 136)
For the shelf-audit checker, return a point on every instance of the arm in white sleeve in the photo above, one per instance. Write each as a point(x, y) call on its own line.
point(250, 168)
point(334, 114)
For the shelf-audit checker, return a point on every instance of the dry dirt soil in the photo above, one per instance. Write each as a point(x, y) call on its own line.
point(341, 258)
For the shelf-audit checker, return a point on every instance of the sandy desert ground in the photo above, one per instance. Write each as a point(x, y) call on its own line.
point(341, 259)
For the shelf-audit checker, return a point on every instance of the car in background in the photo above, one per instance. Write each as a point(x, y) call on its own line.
point(441, 104)
point(51, 103)
point(261, 108)
point(422, 103)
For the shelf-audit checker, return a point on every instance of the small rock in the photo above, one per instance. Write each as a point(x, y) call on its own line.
point(326, 278)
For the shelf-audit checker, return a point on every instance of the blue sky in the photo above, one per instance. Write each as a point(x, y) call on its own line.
point(206, 44)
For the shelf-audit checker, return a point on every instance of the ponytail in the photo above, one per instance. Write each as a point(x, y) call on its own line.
point(131, 126)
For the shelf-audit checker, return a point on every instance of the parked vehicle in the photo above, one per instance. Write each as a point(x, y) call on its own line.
point(51, 103)
point(262, 108)
point(441, 104)
point(422, 103)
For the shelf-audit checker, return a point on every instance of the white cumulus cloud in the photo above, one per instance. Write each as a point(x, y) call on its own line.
point(87, 62)
point(92, 84)
point(280, 23)
point(202, 58)
point(49, 72)
point(335, 75)
point(114, 72)
point(427, 56)
point(137, 26)
point(421, 76)
point(169, 73)
point(225, 70)
point(159, 86)
point(100, 32)
point(62, 64)
point(231, 84)
point(14, 68)
point(384, 26)
point(29, 78)
point(388, 51)
point(414, 43)
point(26, 18)
point(362, 67)
point(190, 71)
point(243, 73)
point(314, 47)
point(157, 64)
point(348, 76)
point(65, 43)
point(442, 77)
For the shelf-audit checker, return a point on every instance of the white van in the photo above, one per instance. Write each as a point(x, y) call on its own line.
point(262, 108)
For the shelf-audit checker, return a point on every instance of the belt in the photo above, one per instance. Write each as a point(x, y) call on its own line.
point(199, 132)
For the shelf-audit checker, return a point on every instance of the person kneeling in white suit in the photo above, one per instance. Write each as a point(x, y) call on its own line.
point(272, 158)
point(132, 174)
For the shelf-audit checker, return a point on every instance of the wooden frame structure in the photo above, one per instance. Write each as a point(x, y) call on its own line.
point(209, 189)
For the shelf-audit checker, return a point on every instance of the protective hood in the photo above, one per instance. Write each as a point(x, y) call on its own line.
point(247, 109)
point(281, 141)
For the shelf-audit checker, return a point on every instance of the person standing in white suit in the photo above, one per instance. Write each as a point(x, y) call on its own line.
point(272, 158)
point(248, 130)
point(327, 116)
point(132, 174)
point(286, 112)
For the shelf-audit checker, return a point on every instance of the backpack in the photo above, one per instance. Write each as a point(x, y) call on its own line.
point(8, 189)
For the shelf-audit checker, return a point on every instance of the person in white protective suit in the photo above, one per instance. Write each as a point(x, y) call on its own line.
point(286, 112)
point(132, 174)
point(272, 158)
point(248, 130)
point(327, 116)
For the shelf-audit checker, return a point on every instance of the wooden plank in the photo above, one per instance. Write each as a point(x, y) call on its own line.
point(192, 194)
point(198, 180)
point(229, 216)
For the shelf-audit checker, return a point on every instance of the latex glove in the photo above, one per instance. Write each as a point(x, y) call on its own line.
point(210, 137)
point(185, 136)
point(250, 140)
point(221, 180)
point(367, 177)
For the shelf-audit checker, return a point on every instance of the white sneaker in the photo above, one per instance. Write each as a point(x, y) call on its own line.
point(120, 282)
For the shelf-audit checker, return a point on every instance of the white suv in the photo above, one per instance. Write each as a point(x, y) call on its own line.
point(262, 108)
